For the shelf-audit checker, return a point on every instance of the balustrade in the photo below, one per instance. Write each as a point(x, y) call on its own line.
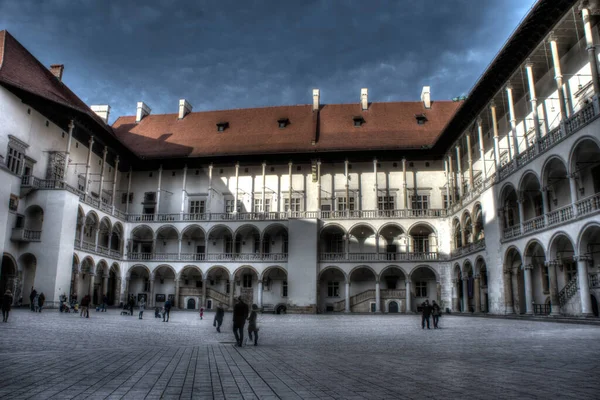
point(560, 215)
point(534, 224)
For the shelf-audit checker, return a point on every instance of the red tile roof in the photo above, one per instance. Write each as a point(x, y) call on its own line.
point(387, 126)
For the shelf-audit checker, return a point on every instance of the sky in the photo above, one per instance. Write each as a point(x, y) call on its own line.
point(226, 54)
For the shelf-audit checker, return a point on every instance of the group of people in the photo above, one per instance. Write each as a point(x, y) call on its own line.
point(36, 300)
point(429, 310)
point(241, 314)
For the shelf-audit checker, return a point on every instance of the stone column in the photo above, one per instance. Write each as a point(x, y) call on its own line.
point(290, 190)
point(183, 193)
point(589, 38)
point(156, 210)
point(496, 137)
point(126, 293)
point(91, 289)
point(558, 76)
point(210, 189)
point(264, 187)
point(75, 284)
point(447, 182)
point(203, 304)
point(584, 285)
point(532, 96)
point(465, 299)
point(377, 297)
point(102, 169)
point(179, 249)
point(347, 242)
point(119, 295)
point(408, 297)
point(260, 294)
point(231, 291)
point(477, 294)
point(347, 294)
point(455, 298)
point(88, 166)
point(404, 187)
point(114, 186)
point(520, 201)
point(128, 190)
point(553, 287)
point(481, 147)
point(97, 230)
point(347, 186)
point(470, 161)
point(508, 292)
point(150, 301)
point(237, 182)
point(105, 286)
point(459, 176)
point(451, 180)
point(176, 300)
point(513, 120)
point(573, 189)
point(528, 289)
point(68, 150)
point(375, 187)
point(319, 185)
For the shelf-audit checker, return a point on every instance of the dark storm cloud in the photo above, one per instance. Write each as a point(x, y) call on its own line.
point(235, 54)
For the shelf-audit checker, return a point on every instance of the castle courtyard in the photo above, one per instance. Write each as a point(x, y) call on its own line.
point(108, 356)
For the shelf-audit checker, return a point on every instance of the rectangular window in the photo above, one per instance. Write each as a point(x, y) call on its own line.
point(257, 205)
point(446, 202)
point(342, 204)
point(227, 287)
point(420, 244)
point(229, 206)
point(386, 202)
point(420, 202)
point(13, 203)
point(267, 205)
point(333, 289)
point(14, 161)
point(247, 281)
point(197, 206)
point(296, 204)
point(421, 289)
point(124, 197)
point(284, 289)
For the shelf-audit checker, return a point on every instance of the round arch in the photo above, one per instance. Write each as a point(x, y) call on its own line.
point(138, 266)
point(267, 270)
point(422, 223)
point(243, 267)
point(211, 269)
point(167, 266)
point(356, 268)
point(333, 267)
point(506, 189)
point(388, 225)
point(553, 243)
point(330, 225)
point(575, 146)
point(467, 268)
point(191, 229)
point(527, 175)
point(219, 228)
point(427, 267)
point(391, 267)
point(167, 228)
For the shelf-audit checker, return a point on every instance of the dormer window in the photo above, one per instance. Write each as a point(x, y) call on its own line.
point(283, 122)
point(421, 119)
point(221, 126)
point(358, 121)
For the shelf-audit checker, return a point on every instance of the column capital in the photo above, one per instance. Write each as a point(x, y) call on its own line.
point(552, 37)
point(528, 267)
point(583, 257)
point(71, 124)
point(91, 140)
point(105, 151)
point(507, 271)
point(479, 122)
point(408, 281)
point(528, 63)
point(508, 86)
point(476, 276)
point(492, 105)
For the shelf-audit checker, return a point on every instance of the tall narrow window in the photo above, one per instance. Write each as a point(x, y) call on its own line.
point(333, 289)
point(14, 161)
point(247, 280)
point(421, 289)
point(420, 202)
point(385, 202)
point(284, 291)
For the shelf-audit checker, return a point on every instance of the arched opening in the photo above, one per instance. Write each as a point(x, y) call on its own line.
point(362, 289)
point(514, 282)
point(424, 242)
point(74, 278)
point(139, 282)
point(332, 243)
point(467, 226)
point(424, 286)
point(83, 278)
point(457, 289)
point(166, 246)
point(394, 241)
point(556, 184)
point(561, 254)
point(392, 281)
point(8, 277)
point(362, 243)
point(114, 285)
point(478, 229)
point(104, 235)
point(247, 243)
point(100, 283)
point(588, 263)
point(79, 226)
point(510, 209)
point(218, 286)
point(481, 268)
point(116, 240)
point(332, 290)
point(191, 283)
point(220, 243)
point(27, 265)
point(91, 225)
point(457, 233)
point(193, 244)
point(275, 243)
point(539, 286)
point(532, 203)
point(191, 304)
point(468, 292)
point(275, 289)
point(141, 243)
point(164, 285)
point(585, 167)
point(246, 284)
point(34, 218)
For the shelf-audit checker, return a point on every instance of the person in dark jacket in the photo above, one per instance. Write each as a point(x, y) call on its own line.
point(31, 298)
point(436, 312)
point(104, 303)
point(41, 301)
point(85, 303)
point(6, 303)
point(219, 317)
point(131, 304)
point(426, 310)
point(240, 313)
point(167, 307)
point(252, 327)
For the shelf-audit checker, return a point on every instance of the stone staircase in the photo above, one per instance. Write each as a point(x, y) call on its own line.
point(570, 290)
point(368, 296)
point(217, 296)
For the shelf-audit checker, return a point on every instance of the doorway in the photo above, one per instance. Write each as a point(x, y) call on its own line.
point(393, 307)
point(191, 304)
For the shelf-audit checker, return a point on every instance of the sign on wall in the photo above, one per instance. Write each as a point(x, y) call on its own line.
point(161, 297)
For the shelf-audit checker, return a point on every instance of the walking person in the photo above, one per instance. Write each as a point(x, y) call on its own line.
point(32, 298)
point(219, 317)
point(85, 303)
point(167, 312)
point(426, 310)
point(240, 313)
point(252, 327)
point(6, 303)
point(104, 303)
point(142, 305)
point(201, 312)
point(131, 304)
point(36, 303)
point(41, 301)
point(436, 312)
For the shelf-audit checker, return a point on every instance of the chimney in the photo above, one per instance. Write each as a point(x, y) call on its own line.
point(103, 111)
point(184, 108)
point(316, 97)
point(57, 70)
point(426, 97)
point(364, 99)
point(142, 111)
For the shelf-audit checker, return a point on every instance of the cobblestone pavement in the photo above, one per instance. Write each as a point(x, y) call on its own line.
point(61, 356)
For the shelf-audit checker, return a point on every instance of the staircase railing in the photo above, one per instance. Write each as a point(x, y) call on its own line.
point(218, 296)
point(570, 289)
point(362, 296)
point(339, 305)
